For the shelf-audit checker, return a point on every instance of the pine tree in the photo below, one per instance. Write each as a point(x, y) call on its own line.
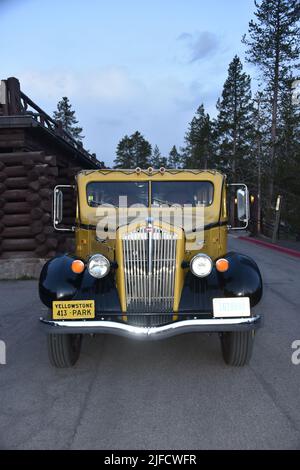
point(260, 146)
point(66, 116)
point(157, 160)
point(274, 45)
point(286, 179)
point(198, 141)
point(132, 152)
point(234, 126)
point(175, 159)
point(289, 129)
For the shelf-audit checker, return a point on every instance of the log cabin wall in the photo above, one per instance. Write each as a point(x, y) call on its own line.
point(35, 155)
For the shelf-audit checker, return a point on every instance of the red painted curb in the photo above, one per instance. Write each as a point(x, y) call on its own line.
point(282, 249)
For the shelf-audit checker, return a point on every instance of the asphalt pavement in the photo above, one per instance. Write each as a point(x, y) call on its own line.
point(172, 394)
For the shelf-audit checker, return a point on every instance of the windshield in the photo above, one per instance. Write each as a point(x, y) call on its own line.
point(117, 193)
point(164, 193)
point(194, 193)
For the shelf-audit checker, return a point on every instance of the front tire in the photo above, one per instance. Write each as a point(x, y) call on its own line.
point(237, 347)
point(63, 350)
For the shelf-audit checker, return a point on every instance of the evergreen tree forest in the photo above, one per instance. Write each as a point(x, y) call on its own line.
point(255, 135)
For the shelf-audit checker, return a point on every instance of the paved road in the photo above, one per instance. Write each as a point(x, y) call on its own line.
point(163, 395)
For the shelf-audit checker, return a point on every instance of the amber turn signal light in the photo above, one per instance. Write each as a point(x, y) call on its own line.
point(77, 266)
point(222, 265)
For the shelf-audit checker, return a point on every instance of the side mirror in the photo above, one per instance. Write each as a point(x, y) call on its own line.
point(58, 206)
point(58, 199)
point(242, 205)
point(242, 211)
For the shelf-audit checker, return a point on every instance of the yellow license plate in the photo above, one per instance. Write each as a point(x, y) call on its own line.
point(73, 309)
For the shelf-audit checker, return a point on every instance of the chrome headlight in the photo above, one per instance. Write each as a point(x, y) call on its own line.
point(201, 265)
point(98, 266)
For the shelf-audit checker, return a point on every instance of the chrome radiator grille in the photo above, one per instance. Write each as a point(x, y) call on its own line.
point(149, 255)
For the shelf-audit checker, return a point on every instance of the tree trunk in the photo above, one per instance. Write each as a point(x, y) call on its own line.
point(274, 114)
point(233, 164)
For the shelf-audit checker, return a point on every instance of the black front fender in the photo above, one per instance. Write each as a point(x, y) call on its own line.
point(243, 279)
point(58, 282)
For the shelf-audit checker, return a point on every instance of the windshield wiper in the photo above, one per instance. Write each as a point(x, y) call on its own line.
point(105, 204)
point(161, 201)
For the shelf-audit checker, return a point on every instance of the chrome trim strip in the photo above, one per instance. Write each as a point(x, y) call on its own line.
point(159, 332)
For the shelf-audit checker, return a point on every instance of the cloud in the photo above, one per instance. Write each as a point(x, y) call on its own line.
point(110, 84)
point(111, 102)
point(109, 122)
point(183, 36)
point(201, 44)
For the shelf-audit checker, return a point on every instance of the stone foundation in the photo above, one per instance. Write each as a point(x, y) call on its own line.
point(21, 268)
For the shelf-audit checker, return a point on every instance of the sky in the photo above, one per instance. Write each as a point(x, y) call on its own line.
point(125, 65)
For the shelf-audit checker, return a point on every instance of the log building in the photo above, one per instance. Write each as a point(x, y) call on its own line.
point(35, 155)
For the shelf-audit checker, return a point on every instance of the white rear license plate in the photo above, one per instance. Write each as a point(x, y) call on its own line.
point(231, 307)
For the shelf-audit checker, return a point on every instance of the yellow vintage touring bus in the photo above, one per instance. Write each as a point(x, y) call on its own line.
point(150, 262)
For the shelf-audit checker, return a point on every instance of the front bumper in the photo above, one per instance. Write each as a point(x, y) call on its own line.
point(151, 333)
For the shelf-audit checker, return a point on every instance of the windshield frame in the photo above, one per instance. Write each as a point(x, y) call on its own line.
point(150, 192)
